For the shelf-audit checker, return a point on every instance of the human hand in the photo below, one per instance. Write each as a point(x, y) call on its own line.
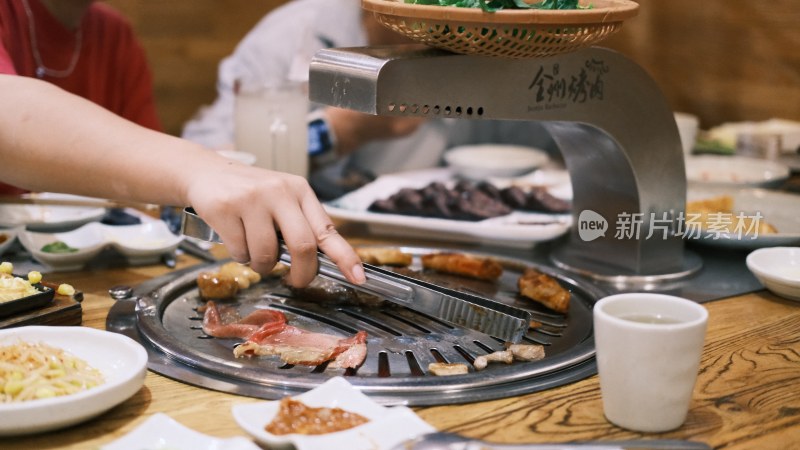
point(354, 129)
point(246, 206)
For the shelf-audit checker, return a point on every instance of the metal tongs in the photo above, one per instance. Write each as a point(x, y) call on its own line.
point(458, 308)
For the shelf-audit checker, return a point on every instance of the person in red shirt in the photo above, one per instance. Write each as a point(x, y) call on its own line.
point(84, 47)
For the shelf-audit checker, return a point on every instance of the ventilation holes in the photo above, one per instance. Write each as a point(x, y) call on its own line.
point(383, 365)
point(425, 109)
point(413, 365)
point(464, 354)
point(438, 356)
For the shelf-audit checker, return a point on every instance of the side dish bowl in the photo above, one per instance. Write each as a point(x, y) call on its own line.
point(386, 428)
point(778, 269)
point(140, 244)
point(7, 238)
point(478, 162)
point(122, 361)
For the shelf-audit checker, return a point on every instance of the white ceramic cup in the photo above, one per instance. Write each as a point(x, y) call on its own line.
point(648, 355)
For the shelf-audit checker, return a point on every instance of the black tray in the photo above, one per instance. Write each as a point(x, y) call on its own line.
point(43, 298)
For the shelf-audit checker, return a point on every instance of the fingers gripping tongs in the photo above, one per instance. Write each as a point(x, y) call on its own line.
point(458, 308)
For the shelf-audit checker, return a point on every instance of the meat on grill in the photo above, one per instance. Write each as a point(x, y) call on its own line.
point(267, 334)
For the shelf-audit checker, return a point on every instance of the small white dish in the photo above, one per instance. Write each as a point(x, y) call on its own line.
point(140, 244)
point(47, 217)
point(143, 243)
point(88, 240)
point(735, 170)
point(7, 238)
point(161, 432)
point(387, 426)
point(478, 162)
point(122, 361)
point(778, 269)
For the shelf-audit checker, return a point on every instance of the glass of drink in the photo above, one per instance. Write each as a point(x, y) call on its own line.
point(271, 123)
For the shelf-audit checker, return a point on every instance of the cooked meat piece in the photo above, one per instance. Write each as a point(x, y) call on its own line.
point(490, 190)
point(463, 264)
point(296, 346)
point(445, 369)
point(384, 256)
point(474, 204)
point(216, 286)
point(534, 324)
point(225, 322)
point(482, 361)
point(540, 199)
point(544, 289)
point(323, 290)
point(244, 275)
point(267, 333)
point(526, 352)
point(383, 206)
point(409, 201)
point(514, 196)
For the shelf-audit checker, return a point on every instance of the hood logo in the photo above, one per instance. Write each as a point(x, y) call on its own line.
point(591, 225)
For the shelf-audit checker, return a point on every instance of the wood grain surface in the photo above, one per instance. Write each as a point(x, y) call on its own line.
point(747, 395)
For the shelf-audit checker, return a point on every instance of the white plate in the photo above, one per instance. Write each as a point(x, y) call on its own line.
point(788, 130)
point(140, 244)
point(10, 236)
point(735, 170)
point(387, 426)
point(122, 361)
point(777, 208)
point(161, 432)
point(49, 218)
point(478, 162)
point(518, 230)
point(778, 269)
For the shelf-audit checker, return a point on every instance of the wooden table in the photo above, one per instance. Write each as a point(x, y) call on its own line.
point(747, 395)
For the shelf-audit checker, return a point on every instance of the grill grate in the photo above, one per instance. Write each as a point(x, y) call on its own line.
point(401, 343)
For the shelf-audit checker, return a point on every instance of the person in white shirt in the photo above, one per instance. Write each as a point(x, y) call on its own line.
point(281, 46)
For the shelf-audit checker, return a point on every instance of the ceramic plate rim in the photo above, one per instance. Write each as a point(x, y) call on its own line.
point(123, 379)
point(163, 427)
point(756, 266)
point(84, 214)
point(782, 171)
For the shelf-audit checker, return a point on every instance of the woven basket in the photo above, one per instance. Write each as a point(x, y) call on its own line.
point(506, 33)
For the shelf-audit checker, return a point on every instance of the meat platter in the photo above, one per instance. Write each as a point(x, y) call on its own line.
point(400, 343)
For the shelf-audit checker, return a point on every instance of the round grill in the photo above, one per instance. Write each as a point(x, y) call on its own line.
point(401, 342)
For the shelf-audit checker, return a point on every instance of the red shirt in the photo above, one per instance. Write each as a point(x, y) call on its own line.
point(111, 68)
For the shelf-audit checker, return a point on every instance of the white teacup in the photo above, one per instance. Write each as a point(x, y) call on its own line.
point(648, 356)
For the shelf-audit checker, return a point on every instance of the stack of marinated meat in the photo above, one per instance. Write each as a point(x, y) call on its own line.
point(469, 201)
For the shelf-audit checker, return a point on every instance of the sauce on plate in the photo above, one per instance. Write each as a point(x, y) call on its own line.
point(295, 417)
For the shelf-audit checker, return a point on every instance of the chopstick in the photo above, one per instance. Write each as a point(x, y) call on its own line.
point(91, 203)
